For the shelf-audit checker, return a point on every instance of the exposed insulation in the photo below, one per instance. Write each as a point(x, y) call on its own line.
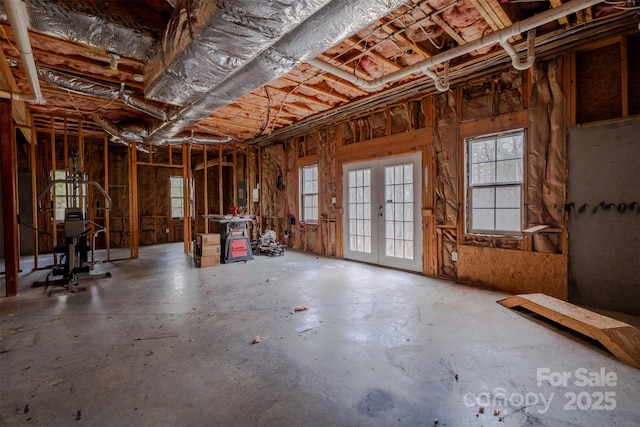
point(273, 168)
point(146, 193)
point(347, 134)
point(546, 192)
point(379, 124)
point(509, 92)
point(493, 95)
point(119, 192)
point(493, 242)
point(477, 100)
point(418, 118)
point(449, 245)
point(327, 178)
point(446, 149)
point(399, 118)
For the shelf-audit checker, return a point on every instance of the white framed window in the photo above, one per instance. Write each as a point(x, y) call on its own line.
point(309, 193)
point(177, 196)
point(59, 194)
point(495, 183)
point(66, 194)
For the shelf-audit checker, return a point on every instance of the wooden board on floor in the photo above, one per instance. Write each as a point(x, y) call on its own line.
point(621, 339)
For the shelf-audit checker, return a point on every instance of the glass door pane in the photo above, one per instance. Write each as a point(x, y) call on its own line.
point(383, 224)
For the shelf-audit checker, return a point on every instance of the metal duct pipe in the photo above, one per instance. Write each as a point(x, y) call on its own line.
point(18, 18)
point(207, 40)
point(102, 90)
point(324, 29)
point(112, 26)
point(120, 135)
point(197, 139)
point(490, 39)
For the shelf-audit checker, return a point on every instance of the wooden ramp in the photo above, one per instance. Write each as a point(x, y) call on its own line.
point(621, 339)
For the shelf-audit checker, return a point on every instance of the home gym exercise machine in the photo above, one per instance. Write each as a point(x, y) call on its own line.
point(73, 263)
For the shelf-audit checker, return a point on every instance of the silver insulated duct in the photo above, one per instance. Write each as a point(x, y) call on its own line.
point(206, 40)
point(324, 29)
point(114, 26)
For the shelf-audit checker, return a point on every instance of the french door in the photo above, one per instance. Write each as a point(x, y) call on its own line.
point(383, 224)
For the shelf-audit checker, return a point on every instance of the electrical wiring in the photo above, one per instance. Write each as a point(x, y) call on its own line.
point(623, 5)
point(284, 100)
point(73, 102)
point(6, 37)
point(266, 122)
point(389, 38)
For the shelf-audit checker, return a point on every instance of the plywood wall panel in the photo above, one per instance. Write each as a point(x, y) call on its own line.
point(513, 271)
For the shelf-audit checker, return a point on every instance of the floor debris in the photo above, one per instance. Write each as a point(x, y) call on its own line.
point(256, 339)
point(303, 329)
point(299, 308)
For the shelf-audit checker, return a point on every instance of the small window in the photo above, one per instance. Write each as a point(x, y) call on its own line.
point(309, 193)
point(59, 194)
point(67, 194)
point(494, 183)
point(177, 196)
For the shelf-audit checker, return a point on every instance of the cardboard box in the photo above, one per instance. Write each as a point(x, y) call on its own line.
point(207, 239)
point(209, 261)
point(211, 250)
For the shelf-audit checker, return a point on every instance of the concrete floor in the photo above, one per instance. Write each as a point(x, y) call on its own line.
point(164, 343)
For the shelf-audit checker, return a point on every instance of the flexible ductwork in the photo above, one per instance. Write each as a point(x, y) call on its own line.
point(130, 133)
point(197, 139)
point(501, 36)
point(324, 29)
point(113, 26)
point(206, 40)
point(85, 86)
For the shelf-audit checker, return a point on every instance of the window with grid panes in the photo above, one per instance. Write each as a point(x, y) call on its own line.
point(309, 193)
point(494, 183)
point(177, 196)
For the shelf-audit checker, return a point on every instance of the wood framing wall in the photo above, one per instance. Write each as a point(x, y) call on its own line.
point(595, 82)
point(544, 101)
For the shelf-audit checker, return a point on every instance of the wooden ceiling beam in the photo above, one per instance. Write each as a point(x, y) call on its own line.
point(394, 32)
point(312, 88)
point(493, 13)
point(356, 43)
point(19, 110)
point(563, 20)
point(444, 25)
point(303, 98)
point(329, 79)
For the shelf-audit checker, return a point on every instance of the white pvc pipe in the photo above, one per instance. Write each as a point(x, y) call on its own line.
point(501, 36)
point(531, 56)
point(17, 15)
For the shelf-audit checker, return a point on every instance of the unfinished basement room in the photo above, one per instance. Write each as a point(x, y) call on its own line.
point(320, 213)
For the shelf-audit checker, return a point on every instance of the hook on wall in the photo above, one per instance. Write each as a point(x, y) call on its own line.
point(598, 206)
point(583, 208)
